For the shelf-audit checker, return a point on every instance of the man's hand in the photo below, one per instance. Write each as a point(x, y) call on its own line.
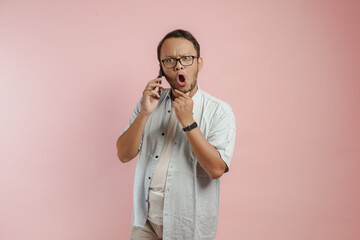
point(183, 106)
point(150, 96)
point(128, 143)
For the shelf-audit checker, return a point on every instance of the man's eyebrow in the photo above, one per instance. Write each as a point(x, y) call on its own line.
point(181, 55)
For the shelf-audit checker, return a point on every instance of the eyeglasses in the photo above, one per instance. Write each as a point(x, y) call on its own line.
point(184, 60)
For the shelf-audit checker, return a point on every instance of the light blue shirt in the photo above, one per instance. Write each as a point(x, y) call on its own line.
point(191, 201)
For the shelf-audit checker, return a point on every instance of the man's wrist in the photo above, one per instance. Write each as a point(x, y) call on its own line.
point(190, 127)
point(144, 115)
point(186, 122)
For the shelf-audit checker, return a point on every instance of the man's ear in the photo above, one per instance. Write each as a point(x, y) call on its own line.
point(200, 63)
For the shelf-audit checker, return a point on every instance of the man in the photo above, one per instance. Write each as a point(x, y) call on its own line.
point(185, 140)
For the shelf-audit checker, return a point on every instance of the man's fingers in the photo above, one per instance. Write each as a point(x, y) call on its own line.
point(182, 98)
point(155, 80)
point(153, 84)
point(153, 93)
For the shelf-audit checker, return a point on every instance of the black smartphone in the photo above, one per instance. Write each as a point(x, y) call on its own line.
point(160, 76)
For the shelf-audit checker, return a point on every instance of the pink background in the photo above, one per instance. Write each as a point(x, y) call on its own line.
point(72, 71)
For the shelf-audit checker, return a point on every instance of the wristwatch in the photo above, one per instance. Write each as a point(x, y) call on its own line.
point(190, 127)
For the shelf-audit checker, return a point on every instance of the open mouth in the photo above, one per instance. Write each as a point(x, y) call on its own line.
point(181, 79)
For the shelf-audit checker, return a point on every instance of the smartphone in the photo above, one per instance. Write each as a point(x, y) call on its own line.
point(160, 76)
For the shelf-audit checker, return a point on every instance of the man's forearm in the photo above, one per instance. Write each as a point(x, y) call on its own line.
point(206, 154)
point(128, 143)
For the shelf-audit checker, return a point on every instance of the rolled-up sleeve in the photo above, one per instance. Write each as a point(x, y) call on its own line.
point(223, 133)
point(133, 117)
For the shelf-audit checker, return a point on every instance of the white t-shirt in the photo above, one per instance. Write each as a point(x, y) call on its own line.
point(157, 185)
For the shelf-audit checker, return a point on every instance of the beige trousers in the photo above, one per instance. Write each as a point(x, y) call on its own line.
point(145, 233)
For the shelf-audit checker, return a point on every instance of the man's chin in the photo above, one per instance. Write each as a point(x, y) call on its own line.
point(183, 90)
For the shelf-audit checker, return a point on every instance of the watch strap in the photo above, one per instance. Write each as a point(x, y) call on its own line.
point(190, 127)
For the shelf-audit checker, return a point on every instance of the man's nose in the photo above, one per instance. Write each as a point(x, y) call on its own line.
point(178, 65)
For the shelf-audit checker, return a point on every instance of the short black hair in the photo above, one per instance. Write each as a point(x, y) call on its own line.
point(179, 33)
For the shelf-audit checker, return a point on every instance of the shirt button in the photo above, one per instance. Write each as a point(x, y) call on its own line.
point(149, 177)
point(168, 111)
point(146, 200)
point(156, 156)
point(163, 134)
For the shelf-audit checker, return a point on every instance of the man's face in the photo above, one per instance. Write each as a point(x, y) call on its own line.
point(183, 78)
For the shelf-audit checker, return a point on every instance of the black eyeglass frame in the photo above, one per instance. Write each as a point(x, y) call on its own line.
point(179, 59)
